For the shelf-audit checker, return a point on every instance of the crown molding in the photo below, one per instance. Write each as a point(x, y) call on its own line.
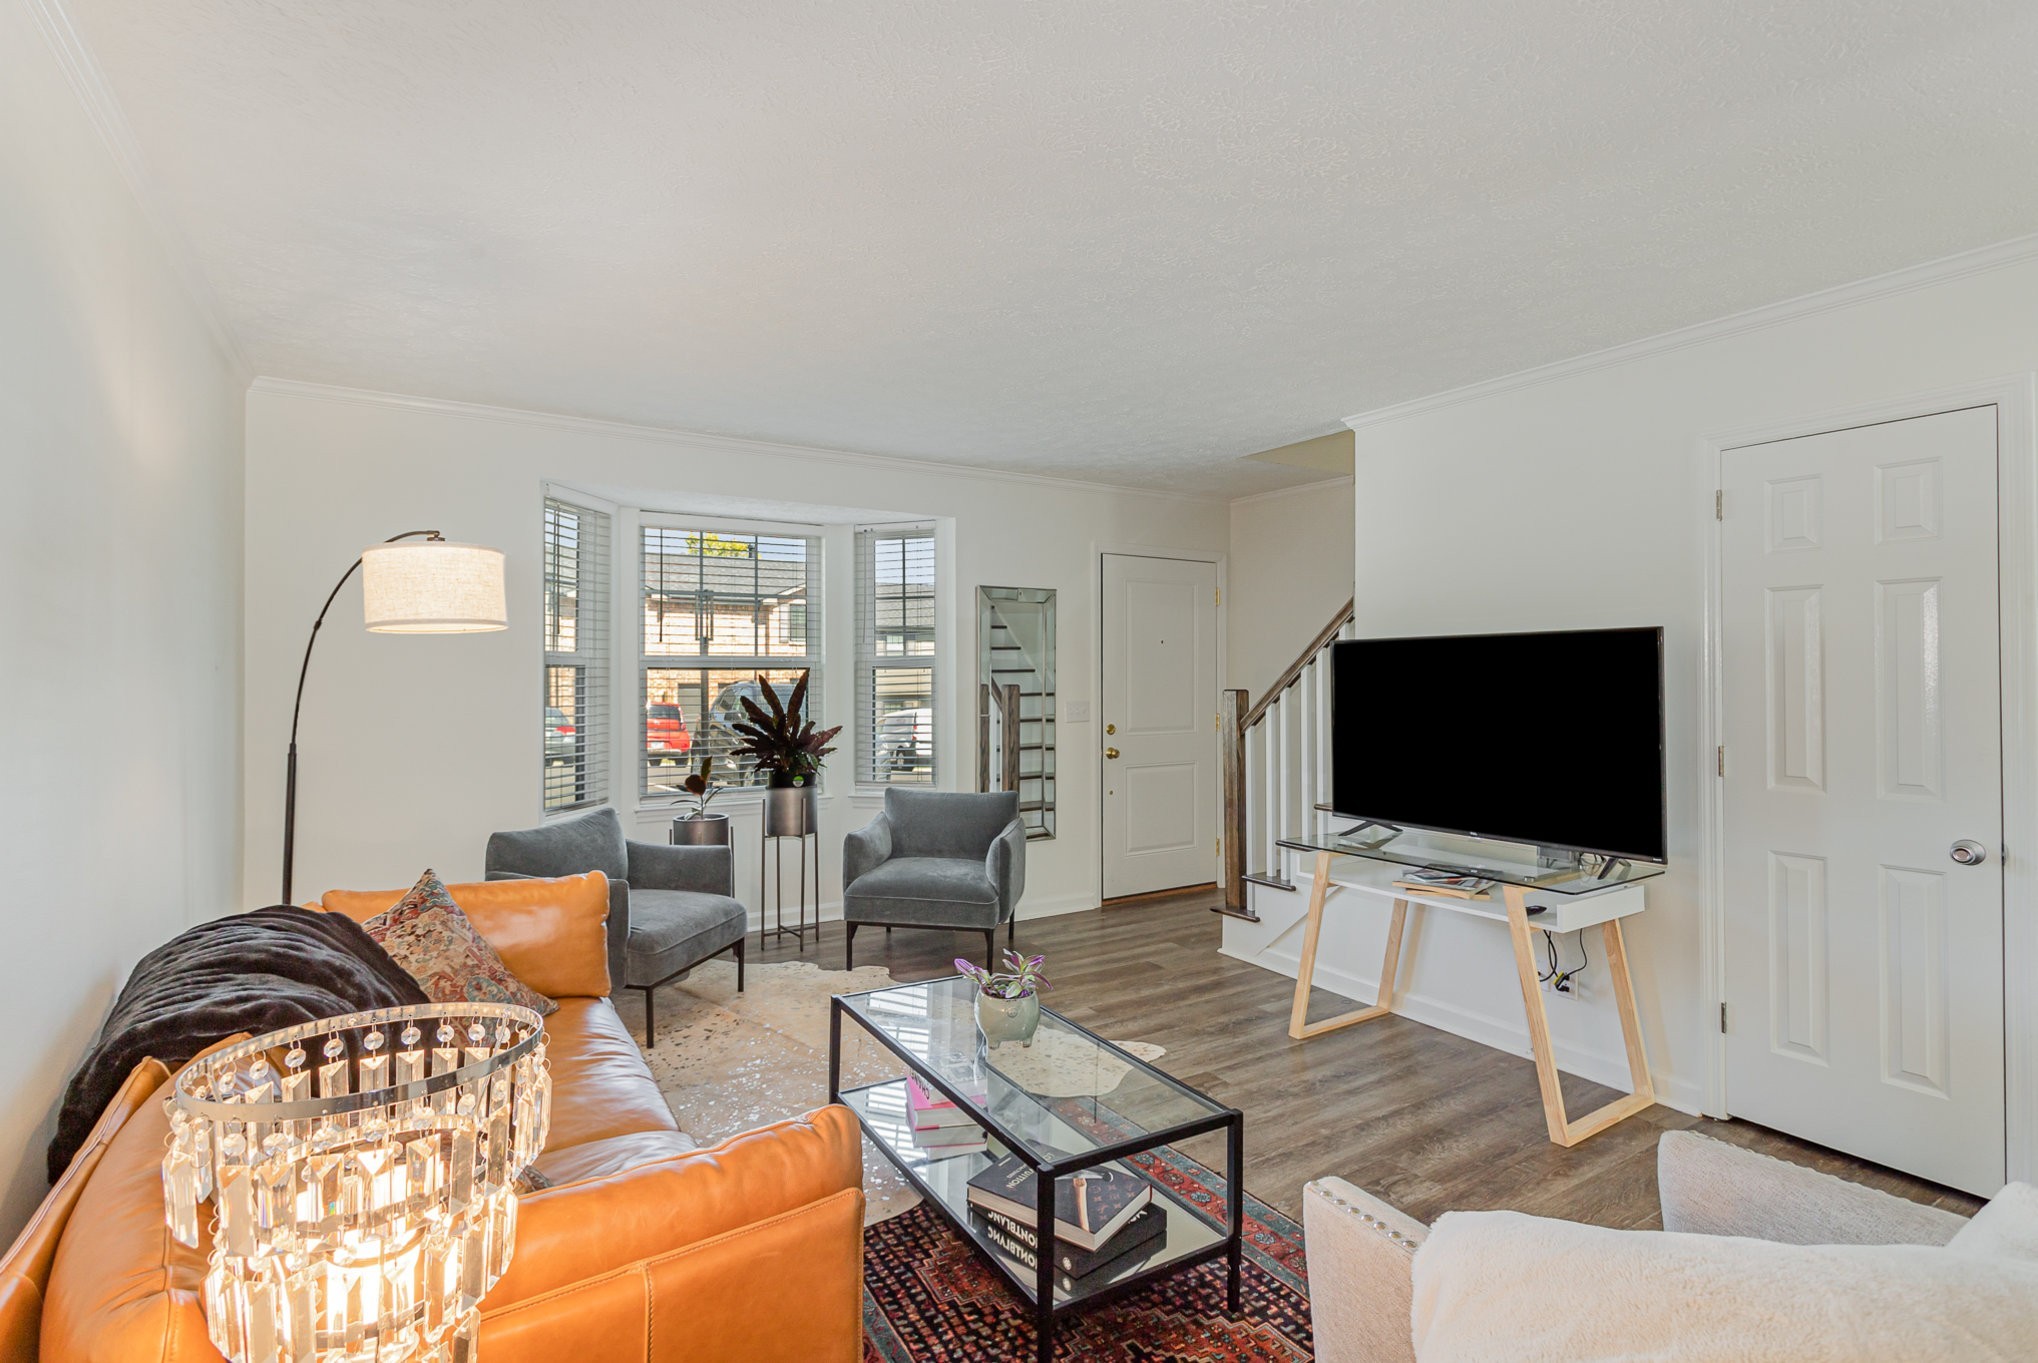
point(1316, 488)
point(1981, 260)
point(82, 71)
point(699, 441)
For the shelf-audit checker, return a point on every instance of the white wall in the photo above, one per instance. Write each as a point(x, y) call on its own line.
point(1579, 500)
point(1290, 568)
point(413, 749)
point(120, 544)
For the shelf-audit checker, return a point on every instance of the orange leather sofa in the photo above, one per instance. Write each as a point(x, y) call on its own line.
point(645, 1248)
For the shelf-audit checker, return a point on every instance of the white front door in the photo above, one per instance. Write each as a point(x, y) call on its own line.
point(1861, 696)
point(1158, 729)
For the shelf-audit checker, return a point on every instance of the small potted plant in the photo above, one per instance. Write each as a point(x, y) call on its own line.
point(1008, 1000)
point(698, 828)
point(785, 745)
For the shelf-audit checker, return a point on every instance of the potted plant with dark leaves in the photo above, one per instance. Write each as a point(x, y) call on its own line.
point(697, 827)
point(1008, 1000)
point(784, 744)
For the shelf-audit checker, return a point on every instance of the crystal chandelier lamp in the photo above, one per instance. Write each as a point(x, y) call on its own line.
point(361, 1171)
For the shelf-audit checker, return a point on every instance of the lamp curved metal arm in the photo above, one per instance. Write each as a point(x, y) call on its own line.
point(297, 709)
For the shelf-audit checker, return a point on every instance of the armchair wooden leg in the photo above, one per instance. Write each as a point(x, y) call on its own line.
point(1012, 931)
point(739, 965)
point(849, 948)
point(991, 949)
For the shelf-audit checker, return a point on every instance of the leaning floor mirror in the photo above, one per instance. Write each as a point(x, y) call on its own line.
point(1015, 699)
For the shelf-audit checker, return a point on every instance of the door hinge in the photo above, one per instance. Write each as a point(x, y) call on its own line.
point(1217, 723)
point(1219, 596)
point(1719, 504)
point(1723, 1018)
point(1721, 759)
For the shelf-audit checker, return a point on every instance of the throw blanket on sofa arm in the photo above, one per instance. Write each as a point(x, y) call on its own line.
point(250, 972)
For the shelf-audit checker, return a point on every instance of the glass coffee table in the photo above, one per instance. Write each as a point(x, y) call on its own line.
point(1072, 1091)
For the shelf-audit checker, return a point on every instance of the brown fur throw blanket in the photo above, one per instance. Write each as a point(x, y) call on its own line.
point(250, 972)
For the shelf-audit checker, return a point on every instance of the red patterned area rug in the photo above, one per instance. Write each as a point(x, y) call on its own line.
point(928, 1297)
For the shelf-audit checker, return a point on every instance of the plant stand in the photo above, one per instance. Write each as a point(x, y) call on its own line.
point(789, 812)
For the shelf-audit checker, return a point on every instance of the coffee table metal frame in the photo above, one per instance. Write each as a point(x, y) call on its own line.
point(1039, 1290)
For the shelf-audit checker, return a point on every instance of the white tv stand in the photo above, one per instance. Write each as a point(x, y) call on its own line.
point(1531, 899)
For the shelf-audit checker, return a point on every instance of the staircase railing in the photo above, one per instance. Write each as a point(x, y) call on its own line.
point(1276, 767)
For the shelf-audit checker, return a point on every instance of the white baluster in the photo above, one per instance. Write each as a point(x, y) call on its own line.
point(1253, 739)
point(1270, 791)
point(1286, 739)
point(1323, 737)
point(1306, 698)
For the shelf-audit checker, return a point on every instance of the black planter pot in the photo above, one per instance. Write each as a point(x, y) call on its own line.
point(790, 810)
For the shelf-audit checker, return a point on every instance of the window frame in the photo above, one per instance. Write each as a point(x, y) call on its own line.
point(813, 623)
point(869, 662)
point(593, 654)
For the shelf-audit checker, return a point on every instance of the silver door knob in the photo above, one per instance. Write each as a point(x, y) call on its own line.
point(1969, 852)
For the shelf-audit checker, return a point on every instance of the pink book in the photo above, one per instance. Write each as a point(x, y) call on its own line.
point(932, 1110)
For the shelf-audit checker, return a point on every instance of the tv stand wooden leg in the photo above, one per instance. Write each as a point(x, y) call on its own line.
point(1299, 1026)
point(1563, 1131)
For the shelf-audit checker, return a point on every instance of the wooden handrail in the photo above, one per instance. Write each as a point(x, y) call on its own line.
point(1233, 721)
point(1294, 672)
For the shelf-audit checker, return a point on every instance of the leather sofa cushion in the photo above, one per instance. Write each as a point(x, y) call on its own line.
point(121, 1288)
point(552, 934)
point(25, 1272)
point(610, 1155)
point(601, 1086)
point(935, 891)
point(671, 930)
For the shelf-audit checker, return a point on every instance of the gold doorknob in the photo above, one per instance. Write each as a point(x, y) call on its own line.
point(1110, 752)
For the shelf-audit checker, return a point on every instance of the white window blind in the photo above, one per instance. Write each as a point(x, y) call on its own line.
point(895, 639)
point(579, 732)
point(720, 608)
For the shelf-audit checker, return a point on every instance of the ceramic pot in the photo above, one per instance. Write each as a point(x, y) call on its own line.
point(1008, 1019)
point(710, 830)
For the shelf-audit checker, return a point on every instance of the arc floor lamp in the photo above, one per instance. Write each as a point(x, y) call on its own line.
point(418, 582)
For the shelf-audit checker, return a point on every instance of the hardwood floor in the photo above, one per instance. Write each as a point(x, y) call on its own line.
point(1425, 1119)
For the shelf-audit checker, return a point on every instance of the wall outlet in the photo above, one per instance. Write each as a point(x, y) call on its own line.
point(1076, 712)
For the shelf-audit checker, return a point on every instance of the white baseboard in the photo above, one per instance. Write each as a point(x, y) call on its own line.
point(1488, 1029)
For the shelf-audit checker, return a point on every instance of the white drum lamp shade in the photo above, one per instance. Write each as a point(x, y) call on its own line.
point(432, 587)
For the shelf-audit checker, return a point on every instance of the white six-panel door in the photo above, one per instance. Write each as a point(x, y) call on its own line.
point(1861, 709)
point(1159, 718)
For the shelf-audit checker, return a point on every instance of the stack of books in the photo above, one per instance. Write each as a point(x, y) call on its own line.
point(940, 1128)
point(1105, 1220)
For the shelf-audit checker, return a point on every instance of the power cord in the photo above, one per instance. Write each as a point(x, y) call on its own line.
point(1556, 976)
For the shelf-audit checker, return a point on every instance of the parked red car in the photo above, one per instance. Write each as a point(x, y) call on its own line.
point(665, 731)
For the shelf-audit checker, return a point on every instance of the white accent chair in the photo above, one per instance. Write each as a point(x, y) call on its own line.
point(1362, 1251)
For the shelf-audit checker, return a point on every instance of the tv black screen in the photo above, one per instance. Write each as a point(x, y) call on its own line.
point(1554, 739)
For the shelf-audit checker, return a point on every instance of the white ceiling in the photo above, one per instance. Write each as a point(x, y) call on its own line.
point(1128, 240)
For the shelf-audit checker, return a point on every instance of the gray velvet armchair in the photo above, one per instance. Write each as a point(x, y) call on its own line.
point(936, 859)
point(670, 908)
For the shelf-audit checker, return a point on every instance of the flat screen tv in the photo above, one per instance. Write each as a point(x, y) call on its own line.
point(1554, 739)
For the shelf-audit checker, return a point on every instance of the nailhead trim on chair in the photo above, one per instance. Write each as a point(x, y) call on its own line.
point(1379, 1227)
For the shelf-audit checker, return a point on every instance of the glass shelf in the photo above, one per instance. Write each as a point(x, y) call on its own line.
point(1507, 863)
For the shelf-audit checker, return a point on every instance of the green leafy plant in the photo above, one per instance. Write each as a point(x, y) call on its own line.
point(1022, 977)
point(701, 787)
point(781, 738)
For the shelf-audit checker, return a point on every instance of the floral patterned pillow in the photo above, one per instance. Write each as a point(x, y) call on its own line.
point(429, 936)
